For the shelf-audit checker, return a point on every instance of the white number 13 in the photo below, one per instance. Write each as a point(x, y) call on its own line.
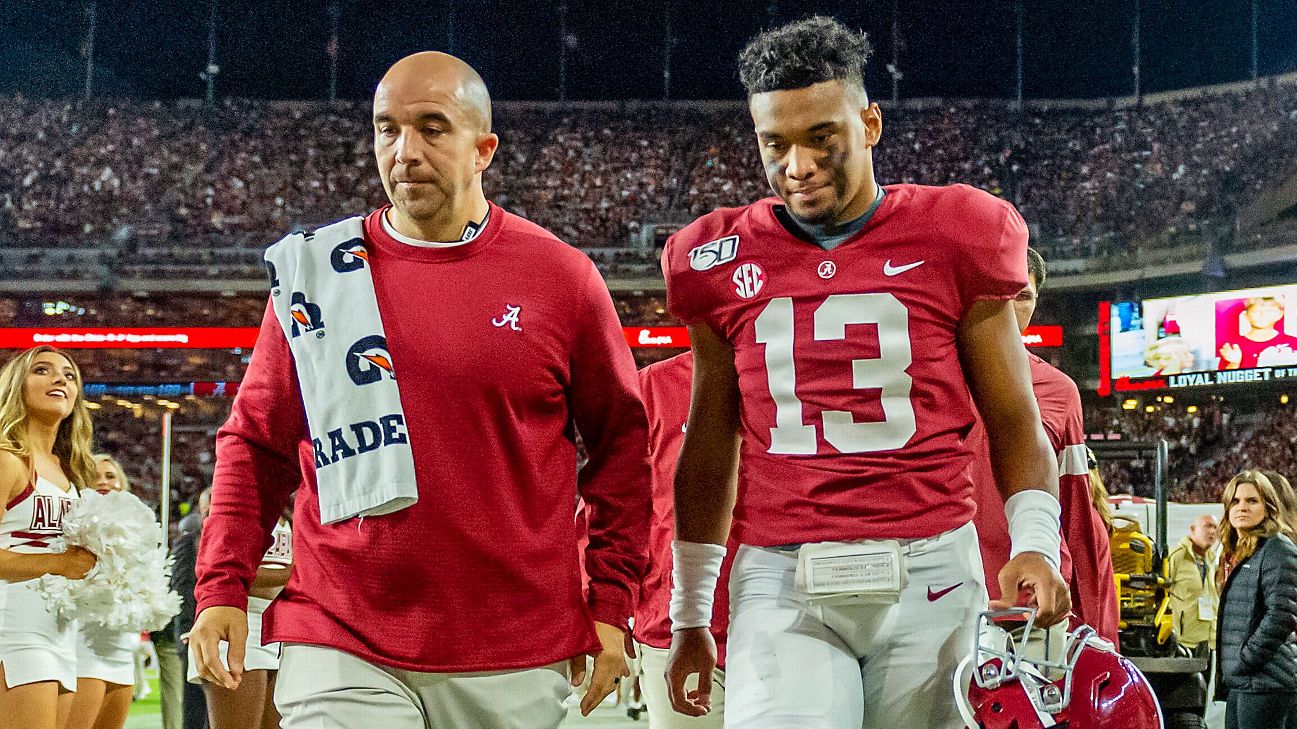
point(774, 328)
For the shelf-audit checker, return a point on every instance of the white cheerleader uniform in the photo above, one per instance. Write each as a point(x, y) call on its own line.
point(107, 656)
point(34, 644)
point(257, 657)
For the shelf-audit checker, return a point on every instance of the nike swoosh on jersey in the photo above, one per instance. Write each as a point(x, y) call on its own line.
point(890, 270)
point(935, 596)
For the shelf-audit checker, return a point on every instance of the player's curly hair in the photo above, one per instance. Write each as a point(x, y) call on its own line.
point(1036, 267)
point(804, 53)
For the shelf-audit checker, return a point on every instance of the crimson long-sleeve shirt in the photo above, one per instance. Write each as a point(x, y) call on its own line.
point(482, 572)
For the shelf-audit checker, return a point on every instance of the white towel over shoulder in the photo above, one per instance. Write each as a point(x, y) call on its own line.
point(322, 292)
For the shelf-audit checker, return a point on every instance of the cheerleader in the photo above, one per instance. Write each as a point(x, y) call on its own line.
point(45, 437)
point(105, 661)
point(252, 704)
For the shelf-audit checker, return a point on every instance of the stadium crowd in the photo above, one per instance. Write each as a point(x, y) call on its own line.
point(1206, 447)
point(1190, 437)
point(142, 189)
point(1094, 184)
point(1270, 442)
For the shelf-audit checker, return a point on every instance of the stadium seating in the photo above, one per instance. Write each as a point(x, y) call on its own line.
point(117, 191)
point(152, 183)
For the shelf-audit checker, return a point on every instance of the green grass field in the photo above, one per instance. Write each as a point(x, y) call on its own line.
point(147, 712)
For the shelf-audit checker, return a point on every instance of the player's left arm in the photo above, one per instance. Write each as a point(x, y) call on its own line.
point(1026, 471)
point(604, 398)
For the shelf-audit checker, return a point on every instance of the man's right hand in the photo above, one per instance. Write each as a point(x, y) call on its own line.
point(216, 624)
point(77, 563)
point(693, 650)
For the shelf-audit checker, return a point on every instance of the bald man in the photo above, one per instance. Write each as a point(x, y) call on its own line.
point(460, 603)
point(1190, 568)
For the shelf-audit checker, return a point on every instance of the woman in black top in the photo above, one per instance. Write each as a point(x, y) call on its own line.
point(1257, 648)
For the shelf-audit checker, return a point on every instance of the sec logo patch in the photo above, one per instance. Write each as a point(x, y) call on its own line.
point(748, 280)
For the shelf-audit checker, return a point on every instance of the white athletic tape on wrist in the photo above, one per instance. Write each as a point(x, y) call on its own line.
point(1034, 518)
point(695, 570)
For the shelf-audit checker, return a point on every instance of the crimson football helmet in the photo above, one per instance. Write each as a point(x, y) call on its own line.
point(1020, 679)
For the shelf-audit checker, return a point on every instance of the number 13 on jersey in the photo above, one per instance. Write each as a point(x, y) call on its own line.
point(791, 435)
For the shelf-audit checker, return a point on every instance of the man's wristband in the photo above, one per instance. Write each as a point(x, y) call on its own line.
point(695, 570)
point(1034, 518)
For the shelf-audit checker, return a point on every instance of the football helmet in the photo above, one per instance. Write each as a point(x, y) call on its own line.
point(1019, 677)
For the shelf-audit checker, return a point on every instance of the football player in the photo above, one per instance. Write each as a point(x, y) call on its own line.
point(842, 333)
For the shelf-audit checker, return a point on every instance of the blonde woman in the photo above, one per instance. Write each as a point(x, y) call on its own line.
point(105, 663)
point(1258, 608)
point(1098, 492)
point(45, 437)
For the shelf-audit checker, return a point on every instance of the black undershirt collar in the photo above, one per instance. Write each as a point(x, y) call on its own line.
point(827, 236)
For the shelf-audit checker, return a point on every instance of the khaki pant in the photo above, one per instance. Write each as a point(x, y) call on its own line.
point(653, 684)
point(324, 688)
point(171, 679)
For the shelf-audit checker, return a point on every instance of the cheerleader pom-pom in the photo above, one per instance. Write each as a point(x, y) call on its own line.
point(58, 594)
point(117, 527)
point(128, 589)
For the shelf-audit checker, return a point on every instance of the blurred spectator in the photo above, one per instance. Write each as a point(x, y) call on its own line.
point(1190, 568)
point(183, 580)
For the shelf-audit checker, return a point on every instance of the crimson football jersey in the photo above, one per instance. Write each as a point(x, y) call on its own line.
point(665, 387)
point(854, 403)
point(1087, 554)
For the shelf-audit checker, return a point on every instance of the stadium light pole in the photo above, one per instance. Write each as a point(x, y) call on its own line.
point(1134, 41)
point(209, 74)
point(335, 12)
point(91, 18)
point(562, 50)
point(669, 41)
point(894, 68)
point(164, 488)
point(1018, 30)
point(1255, 49)
point(450, 27)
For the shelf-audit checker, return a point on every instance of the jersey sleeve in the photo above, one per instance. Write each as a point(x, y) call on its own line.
point(993, 252)
point(686, 294)
point(257, 469)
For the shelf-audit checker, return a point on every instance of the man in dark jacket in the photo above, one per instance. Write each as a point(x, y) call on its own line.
point(1257, 645)
point(185, 551)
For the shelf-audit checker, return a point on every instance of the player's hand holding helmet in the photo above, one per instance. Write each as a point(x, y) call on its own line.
point(1021, 677)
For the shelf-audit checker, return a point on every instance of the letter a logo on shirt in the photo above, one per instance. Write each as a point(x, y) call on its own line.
point(509, 318)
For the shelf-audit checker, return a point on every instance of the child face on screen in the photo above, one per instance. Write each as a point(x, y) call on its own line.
point(1263, 313)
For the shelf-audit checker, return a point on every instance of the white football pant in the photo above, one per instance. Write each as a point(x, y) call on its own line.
point(793, 665)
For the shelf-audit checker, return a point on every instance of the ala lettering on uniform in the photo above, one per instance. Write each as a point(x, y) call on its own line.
point(46, 516)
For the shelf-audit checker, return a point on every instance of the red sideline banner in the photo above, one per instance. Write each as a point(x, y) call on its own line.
point(1043, 336)
point(638, 337)
point(245, 337)
point(131, 338)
